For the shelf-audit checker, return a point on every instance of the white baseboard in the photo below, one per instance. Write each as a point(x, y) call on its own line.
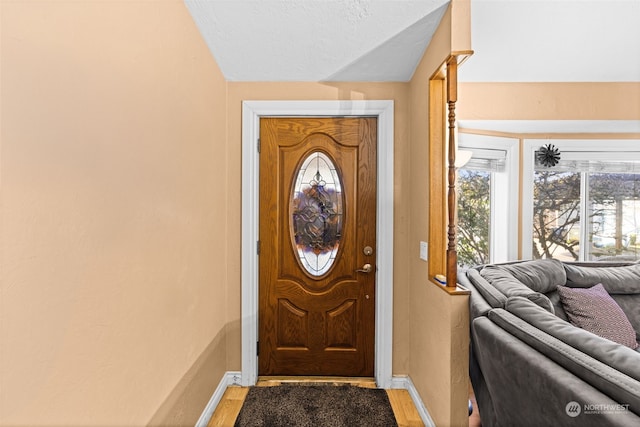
point(404, 382)
point(229, 378)
point(234, 378)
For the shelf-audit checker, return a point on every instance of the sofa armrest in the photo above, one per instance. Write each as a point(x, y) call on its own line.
point(618, 356)
point(478, 304)
point(619, 386)
point(504, 282)
point(492, 296)
point(529, 389)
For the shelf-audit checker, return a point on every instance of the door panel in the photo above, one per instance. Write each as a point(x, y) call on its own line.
point(317, 215)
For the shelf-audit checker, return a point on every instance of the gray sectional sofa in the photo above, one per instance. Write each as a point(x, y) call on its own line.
point(530, 366)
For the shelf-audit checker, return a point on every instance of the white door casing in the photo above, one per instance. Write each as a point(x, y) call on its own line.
point(251, 113)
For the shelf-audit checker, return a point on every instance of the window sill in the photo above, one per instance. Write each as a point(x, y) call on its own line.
point(451, 290)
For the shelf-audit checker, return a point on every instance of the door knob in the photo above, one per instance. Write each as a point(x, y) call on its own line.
point(365, 269)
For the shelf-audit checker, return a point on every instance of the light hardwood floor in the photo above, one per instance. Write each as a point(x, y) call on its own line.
point(474, 418)
point(225, 414)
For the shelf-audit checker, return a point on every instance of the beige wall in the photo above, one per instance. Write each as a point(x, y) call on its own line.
point(113, 241)
point(438, 321)
point(549, 101)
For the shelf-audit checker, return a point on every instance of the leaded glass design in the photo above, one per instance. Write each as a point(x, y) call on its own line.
point(316, 211)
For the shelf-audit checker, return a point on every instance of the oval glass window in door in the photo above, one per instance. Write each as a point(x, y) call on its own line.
point(316, 213)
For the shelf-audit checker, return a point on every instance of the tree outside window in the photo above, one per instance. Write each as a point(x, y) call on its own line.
point(556, 215)
point(474, 217)
point(612, 208)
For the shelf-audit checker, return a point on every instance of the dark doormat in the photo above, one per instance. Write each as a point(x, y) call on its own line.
point(315, 406)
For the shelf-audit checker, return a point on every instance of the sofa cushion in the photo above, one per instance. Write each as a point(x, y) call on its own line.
point(616, 280)
point(610, 353)
point(509, 286)
point(593, 309)
point(540, 275)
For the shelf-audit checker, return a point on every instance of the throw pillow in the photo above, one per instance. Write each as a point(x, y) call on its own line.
point(593, 309)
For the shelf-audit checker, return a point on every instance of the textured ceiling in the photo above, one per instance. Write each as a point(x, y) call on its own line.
point(383, 40)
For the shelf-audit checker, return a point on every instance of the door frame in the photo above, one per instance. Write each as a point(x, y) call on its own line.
point(252, 111)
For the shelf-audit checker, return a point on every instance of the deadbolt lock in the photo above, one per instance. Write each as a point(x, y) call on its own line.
point(368, 250)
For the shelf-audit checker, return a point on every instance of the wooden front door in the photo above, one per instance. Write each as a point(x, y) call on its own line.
point(317, 246)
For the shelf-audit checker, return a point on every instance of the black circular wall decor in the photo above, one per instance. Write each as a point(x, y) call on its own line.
point(548, 155)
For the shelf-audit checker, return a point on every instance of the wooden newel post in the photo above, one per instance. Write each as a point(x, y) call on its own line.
point(452, 96)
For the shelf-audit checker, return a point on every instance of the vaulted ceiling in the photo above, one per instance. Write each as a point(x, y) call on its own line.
point(317, 40)
point(383, 40)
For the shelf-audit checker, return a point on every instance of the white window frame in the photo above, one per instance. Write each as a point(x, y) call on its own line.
point(505, 186)
point(593, 149)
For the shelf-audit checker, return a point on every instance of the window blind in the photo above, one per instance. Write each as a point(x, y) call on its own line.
point(592, 161)
point(484, 159)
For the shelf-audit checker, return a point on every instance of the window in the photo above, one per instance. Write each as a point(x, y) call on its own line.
point(474, 216)
point(316, 210)
point(585, 208)
point(556, 215)
point(613, 210)
point(487, 200)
